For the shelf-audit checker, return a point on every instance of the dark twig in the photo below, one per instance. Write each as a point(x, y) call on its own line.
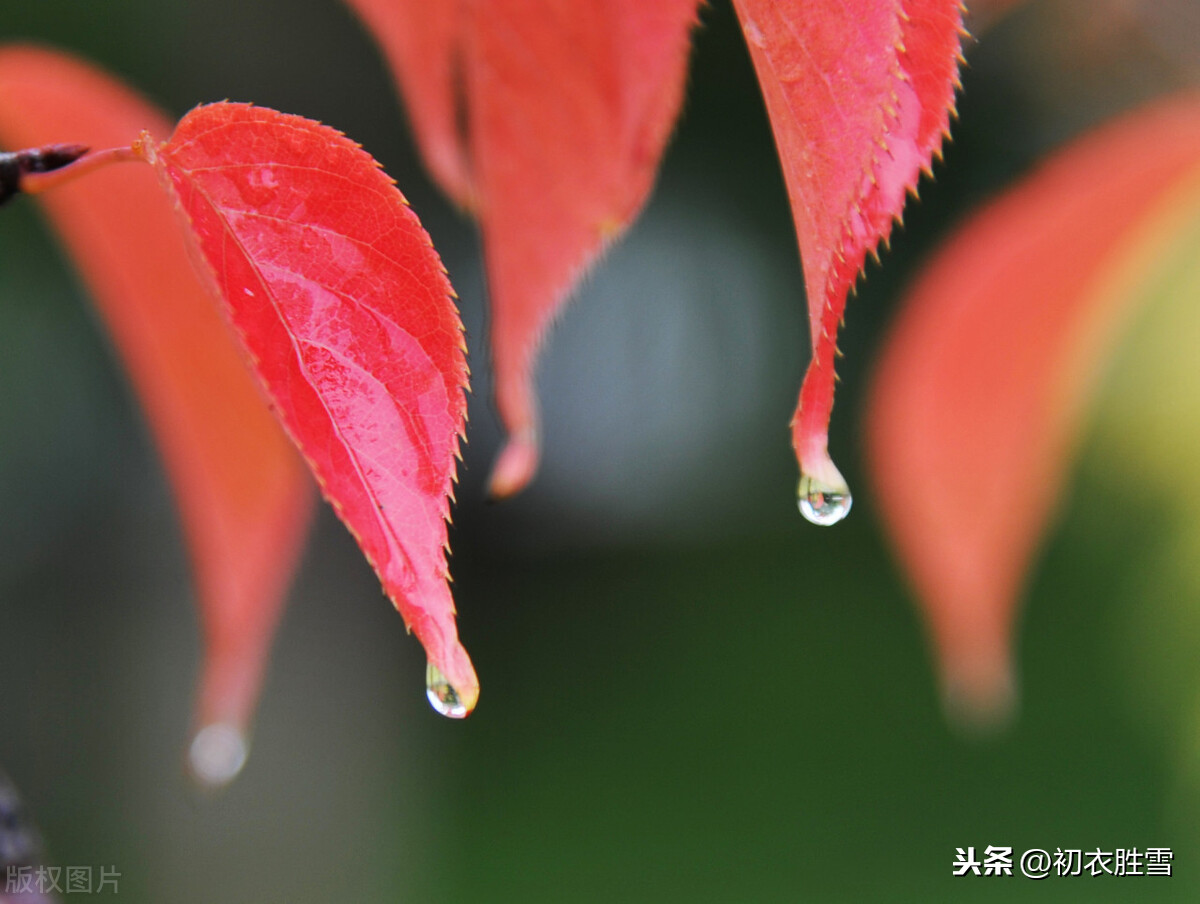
point(17, 164)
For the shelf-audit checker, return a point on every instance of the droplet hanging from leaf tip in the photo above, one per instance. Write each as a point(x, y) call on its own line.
point(823, 503)
point(444, 699)
point(217, 754)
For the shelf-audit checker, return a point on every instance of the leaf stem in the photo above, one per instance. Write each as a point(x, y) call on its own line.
point(33, 183)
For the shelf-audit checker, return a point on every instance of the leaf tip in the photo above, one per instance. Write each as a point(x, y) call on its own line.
point(979, 696)
point(515, 466)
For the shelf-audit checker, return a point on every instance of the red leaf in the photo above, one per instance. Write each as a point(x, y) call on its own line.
point(859, 94)
point(982, 386)
point(345, 308)
point(242, 492)
point(567, 107)
point(422, 44)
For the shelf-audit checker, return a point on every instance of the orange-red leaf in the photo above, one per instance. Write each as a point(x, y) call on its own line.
point(422, 43)
point(981, 388)
point(242, 492)
point(345, 308)
point(566, 109)
point(859, 94)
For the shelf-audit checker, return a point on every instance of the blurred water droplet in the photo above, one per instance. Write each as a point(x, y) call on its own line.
point(442, 696)
point(217, 754)
point(822, 504)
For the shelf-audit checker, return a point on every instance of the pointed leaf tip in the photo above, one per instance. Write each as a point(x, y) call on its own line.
point(983, 383)
point(515, 466)
point(979, 692)
point(345, 308)
point(853, 140)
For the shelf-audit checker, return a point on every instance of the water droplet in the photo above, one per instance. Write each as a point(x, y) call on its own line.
point(217, 754)
point(442, 696)
point(822, 504)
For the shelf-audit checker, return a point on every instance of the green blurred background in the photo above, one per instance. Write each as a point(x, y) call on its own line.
point(689, 693)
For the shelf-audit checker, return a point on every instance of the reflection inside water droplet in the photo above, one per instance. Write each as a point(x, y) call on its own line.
point(822, 504)
point(442, 696)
